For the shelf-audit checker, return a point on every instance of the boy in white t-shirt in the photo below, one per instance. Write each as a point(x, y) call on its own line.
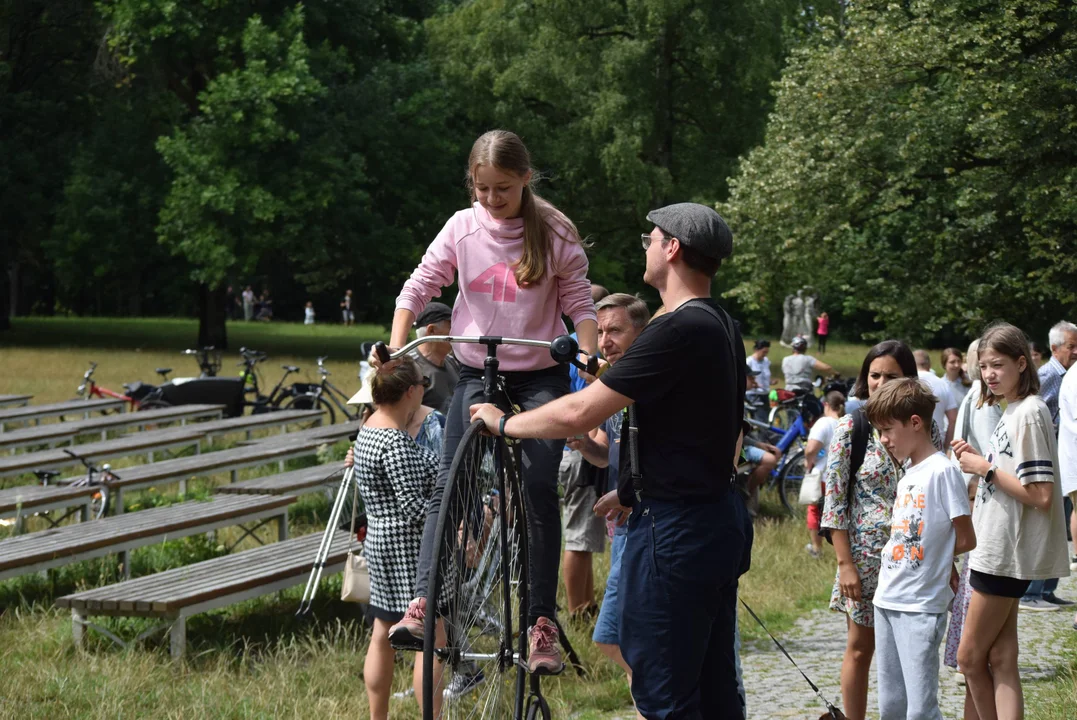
point(931, 525)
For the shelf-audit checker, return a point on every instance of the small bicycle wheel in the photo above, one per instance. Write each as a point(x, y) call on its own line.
point(789, 481)
point(313, 402)
point(99, 503)
point(478, 584)
point(782, 417)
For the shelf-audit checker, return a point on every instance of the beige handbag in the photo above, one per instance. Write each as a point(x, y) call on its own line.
point(356, 585)
point(811, 487)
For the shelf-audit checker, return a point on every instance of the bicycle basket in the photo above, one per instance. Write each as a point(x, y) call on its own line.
point(300, 388)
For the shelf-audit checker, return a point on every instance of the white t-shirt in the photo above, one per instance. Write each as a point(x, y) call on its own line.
point(1067, 431)
point(916, 562)
point(1013, 539)
point(945, 399)
point(823, 431)
point(763, 368)
point(797, 371)
point(308, 316)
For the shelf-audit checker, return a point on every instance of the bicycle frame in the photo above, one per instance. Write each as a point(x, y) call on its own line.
point(90, 389)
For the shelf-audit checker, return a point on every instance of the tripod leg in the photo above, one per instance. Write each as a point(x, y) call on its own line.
point(326, 543)
point(573, 658)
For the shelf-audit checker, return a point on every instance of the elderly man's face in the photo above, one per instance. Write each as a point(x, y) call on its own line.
point(615, 333)
point(1066, 353)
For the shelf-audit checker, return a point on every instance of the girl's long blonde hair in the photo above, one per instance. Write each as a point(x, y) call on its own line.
point(505, 151)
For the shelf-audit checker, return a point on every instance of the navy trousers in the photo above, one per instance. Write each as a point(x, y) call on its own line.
point(678, 582)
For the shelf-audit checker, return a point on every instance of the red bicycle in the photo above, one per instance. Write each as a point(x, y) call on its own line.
point(89, 389)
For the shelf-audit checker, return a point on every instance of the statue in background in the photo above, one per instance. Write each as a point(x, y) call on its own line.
point(798, 316)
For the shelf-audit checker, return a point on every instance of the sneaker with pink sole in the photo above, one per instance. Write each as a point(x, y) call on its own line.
point(544, 657)
point(408, 634)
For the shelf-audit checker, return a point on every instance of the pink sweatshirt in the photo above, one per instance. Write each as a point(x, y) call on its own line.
point(482, 250)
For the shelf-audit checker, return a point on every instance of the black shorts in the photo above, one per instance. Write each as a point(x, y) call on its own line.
point(376, 613)
point(998, 584)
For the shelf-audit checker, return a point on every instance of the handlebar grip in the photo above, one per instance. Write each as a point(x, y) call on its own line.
point(382, 351)
point(592, 365)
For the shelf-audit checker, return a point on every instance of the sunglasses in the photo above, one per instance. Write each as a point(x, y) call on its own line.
point(646, 238)
point(426, 382)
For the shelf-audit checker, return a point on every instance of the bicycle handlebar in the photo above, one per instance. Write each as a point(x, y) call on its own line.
point(562, 349)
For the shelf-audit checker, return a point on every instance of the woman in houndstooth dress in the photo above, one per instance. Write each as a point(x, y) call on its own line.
point(396, 477)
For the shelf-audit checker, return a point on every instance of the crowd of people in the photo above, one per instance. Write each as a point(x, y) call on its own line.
point(902, 503)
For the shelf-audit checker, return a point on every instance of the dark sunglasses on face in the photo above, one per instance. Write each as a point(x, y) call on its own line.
point(426, 383)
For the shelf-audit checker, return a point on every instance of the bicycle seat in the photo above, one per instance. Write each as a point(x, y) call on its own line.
point(162, 371)
point(46, 475)
point(289, 368)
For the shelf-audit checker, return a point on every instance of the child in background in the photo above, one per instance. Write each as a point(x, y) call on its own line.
point(308, 318)
point(931, 525)
point(822, 432)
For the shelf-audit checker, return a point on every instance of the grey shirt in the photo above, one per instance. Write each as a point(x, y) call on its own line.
point(797, 371)
point(442, 380)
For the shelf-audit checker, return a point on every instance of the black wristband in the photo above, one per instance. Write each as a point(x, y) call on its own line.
point(501, 426)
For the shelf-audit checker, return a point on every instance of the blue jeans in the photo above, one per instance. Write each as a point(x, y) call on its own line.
point(679, 578)
point(609, 617)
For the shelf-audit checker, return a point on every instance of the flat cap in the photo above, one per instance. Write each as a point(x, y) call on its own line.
point(432, 314)
point(696, 226)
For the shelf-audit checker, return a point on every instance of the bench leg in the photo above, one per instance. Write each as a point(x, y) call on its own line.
point(78, 628)
point(125, 560)
point(280, 465)
point(282, 526)
point(178, 638)
point(84, 512)
point(117, 502)
point(183, 486)
point(149, 456)
point(20, 523)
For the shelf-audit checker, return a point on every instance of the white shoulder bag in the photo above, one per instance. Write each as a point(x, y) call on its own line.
point(356, 585)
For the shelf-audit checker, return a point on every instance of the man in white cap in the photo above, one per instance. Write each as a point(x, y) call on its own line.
point(689, 535)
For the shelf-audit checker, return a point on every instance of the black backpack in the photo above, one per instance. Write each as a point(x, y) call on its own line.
point(861, 431)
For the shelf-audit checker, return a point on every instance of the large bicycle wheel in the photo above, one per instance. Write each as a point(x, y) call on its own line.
point(783, 416)
point(313, 402)
point(479, 586)
point(789, 481)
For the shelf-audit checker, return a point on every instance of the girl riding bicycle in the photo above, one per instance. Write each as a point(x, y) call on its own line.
point(520, 265)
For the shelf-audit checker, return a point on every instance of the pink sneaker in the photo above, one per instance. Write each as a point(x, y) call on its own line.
point(544, 657)
point(409, 632)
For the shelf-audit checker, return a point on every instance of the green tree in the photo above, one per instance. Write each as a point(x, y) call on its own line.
point(918, 170)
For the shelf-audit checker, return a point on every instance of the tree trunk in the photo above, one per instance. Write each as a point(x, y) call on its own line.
point(13, 290)
point(5, 301)
point(211, 317)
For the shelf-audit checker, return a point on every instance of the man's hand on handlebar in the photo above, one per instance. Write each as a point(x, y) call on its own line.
point(595, 362)
point(489, 414)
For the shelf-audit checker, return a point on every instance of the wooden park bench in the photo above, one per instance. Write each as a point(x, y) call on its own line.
point(175, 595)
point(142, 443)
point(248, 423)
point(23, 501)
point(295, 482)
point(325, 434)
point(72, 408)
point(211, 463)
point(37, 551)
point(66, 432)
point(14, 400)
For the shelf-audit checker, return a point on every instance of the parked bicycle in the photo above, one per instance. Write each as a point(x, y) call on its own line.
point(789, 473)
point(137, 395)
point(480, 570)
point(94, 477)
point(324, 396)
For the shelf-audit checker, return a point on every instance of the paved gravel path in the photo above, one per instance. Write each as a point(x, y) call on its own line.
point(776, 690)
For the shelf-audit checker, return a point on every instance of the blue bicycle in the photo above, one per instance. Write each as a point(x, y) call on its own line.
point(789, 473)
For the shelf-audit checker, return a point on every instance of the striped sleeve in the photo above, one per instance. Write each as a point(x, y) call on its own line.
point(1033, 454)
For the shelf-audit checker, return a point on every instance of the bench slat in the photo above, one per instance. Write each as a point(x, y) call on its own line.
point(311, 477)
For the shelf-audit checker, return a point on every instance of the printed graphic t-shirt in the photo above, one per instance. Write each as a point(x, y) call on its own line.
point(916, 562)
point(1013, 539)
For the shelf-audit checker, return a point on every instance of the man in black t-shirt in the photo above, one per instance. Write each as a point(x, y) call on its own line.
point(689, 535)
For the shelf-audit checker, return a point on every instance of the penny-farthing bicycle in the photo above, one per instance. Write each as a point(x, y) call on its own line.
point(479, 582)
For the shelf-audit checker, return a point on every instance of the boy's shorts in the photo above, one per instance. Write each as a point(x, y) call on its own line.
point(753, 454)
point(815, 515)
